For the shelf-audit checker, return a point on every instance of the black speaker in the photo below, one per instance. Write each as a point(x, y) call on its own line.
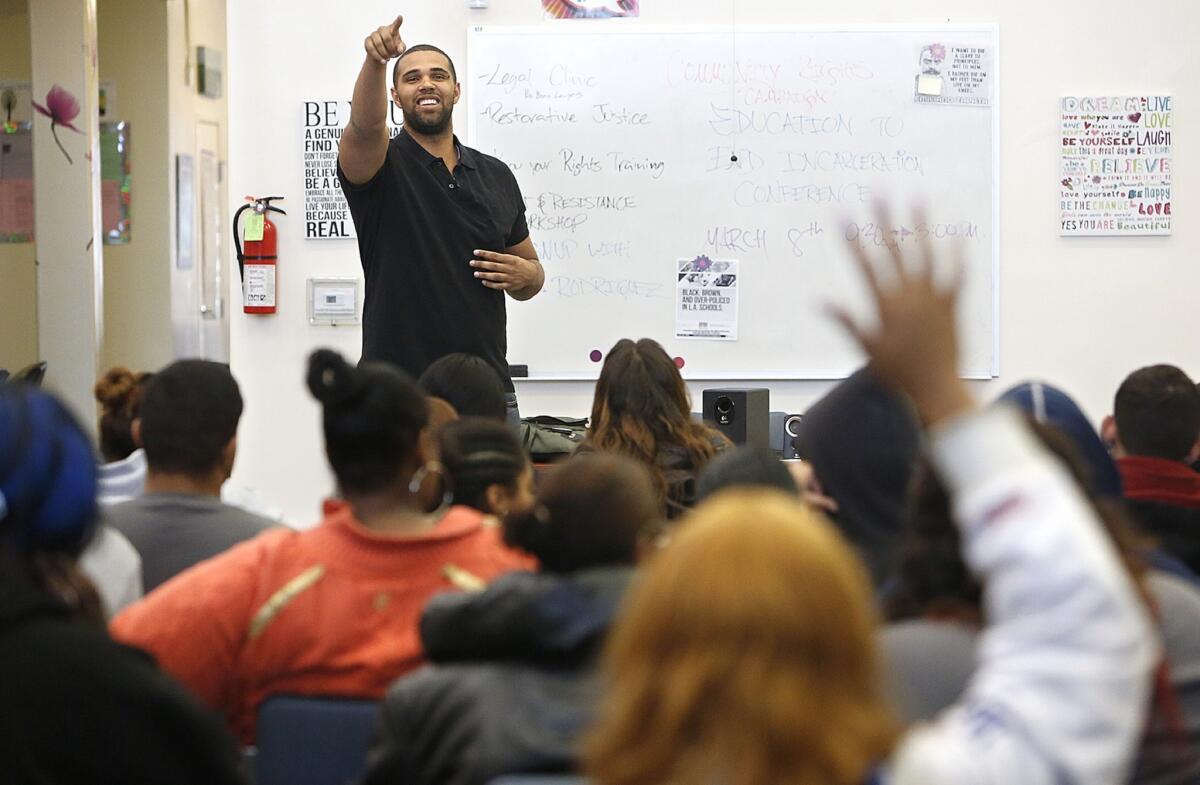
point(741, 413)
point(784, 429)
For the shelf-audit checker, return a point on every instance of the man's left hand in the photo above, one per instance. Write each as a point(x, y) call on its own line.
point(522, 278)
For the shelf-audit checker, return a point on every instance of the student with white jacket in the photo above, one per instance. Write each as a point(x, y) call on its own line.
point(746, 654)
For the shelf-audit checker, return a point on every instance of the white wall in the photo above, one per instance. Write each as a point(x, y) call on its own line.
point(193, 23)
point(1080, 312)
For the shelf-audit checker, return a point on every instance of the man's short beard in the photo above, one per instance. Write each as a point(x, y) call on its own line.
point(413, 122)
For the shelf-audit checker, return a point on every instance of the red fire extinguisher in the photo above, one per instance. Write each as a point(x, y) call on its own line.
point(257, 262)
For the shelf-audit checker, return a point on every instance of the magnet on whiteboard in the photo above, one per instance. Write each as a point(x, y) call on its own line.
point(929, 85)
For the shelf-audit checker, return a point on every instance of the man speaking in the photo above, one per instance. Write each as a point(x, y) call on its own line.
point(441, 227)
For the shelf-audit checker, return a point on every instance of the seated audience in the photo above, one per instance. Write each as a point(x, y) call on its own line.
point(745, 467)
point(1156, 430)
point(431, 487)
point(114, 567)
point(468, 384)
point(188, 428)
point(930, 650)
point(487, 468)
point(123, 473)
point(745, 654)
point(511, 683)
point(1053, 407)
point(77, 707)
point(110, 560)
point(642, 410)
point(760, 467)
point(331, 610)
point(862, 441)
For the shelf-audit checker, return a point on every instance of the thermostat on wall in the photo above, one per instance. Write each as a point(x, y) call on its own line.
point(333, 301)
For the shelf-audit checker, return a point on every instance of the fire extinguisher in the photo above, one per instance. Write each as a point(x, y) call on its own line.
point(257, 262)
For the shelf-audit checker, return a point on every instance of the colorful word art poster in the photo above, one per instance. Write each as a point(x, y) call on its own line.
point(957, 75)
point(706, 299)
point(590, 9)
point(1116, 166)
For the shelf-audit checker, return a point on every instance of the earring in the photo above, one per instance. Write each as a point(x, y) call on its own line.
point(418, 479)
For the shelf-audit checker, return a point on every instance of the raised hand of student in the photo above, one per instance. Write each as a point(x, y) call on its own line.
point(914, 346)
point(386, 43)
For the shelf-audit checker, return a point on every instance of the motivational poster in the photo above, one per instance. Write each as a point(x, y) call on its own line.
point(1116, 165)
point(326, 214)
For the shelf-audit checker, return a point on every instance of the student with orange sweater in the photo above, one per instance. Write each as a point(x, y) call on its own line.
point(332, 610)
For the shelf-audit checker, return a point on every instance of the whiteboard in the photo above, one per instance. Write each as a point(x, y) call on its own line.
point(636, 148)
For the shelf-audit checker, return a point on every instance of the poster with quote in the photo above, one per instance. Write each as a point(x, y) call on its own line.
point(954, 75)
point(1115, 165)
point(706, 299)
point(326, 215)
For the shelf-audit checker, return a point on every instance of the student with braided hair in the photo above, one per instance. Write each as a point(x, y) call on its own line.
point(331, 610)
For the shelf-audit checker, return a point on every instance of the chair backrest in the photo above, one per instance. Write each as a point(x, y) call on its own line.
point(313, 741)
point(31, 374)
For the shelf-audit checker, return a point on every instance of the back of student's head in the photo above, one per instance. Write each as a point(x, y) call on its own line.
point(373, 415)
point(745, 467)
point(47, 474)
point(1157, 410)
point(746, 655)
point(467, 383)
point(641, 409)
point(640, 388)
point(932, 577)
point(1052, 407)
point(119, 393)
point(189, 414)
point(863, 441)
point(592, 510)
point(478, 454)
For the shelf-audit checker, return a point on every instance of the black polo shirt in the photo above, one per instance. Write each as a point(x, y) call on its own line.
point(418, 226)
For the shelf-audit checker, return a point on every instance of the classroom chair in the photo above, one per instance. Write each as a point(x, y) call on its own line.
point(31, 374)
point(313, 741)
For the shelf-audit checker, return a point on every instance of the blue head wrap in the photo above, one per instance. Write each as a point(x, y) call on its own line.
point(47, 473)
point(1051, 406)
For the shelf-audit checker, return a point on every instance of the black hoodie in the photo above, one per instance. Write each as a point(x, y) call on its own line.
point(78, 707)
point(863, 442)
point(511, 685)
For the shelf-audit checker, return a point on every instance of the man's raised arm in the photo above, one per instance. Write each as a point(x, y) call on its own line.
point(363, 147)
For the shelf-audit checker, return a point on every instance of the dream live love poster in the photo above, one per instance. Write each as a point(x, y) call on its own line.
point(1116, 165)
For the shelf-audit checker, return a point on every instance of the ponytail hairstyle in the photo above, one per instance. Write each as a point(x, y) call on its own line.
point(373, 417)
point(119, 393)
point(592, 510)
point(478, 453)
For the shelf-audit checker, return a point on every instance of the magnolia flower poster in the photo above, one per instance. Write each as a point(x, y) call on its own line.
point(1116, 165)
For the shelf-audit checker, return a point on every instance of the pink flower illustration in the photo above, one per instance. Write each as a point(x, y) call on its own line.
point(62, 108)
